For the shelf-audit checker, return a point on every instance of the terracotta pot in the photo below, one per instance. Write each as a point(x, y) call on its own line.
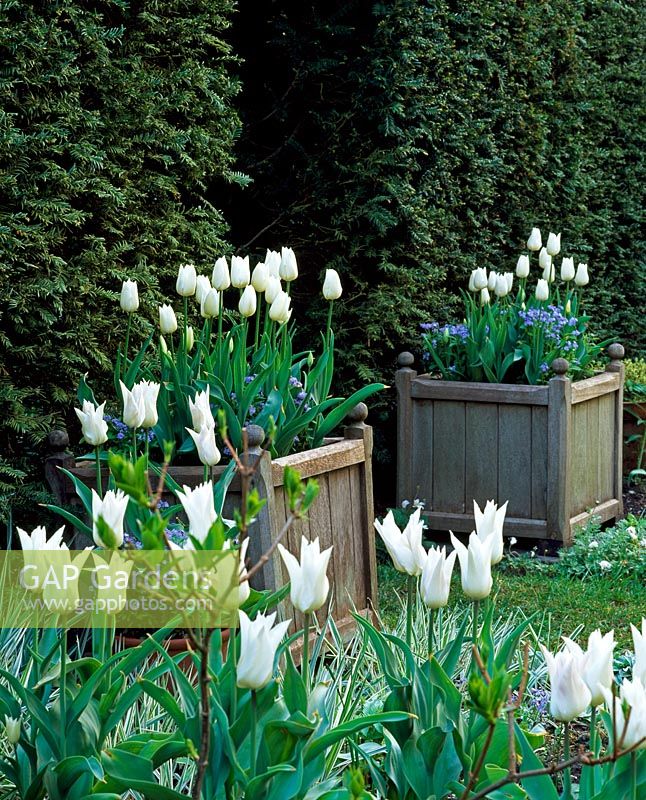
point(173, 646)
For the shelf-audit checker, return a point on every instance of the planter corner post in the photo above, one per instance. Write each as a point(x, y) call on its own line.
point(559, 453)
point(616, 365)
point(403, 381)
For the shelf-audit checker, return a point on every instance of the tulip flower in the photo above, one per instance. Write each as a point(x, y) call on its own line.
point(522, 266)
point(167, 320)
point(259, 640)
point(207, 449)
point(244, 590)
point(134, 410)
point(639, 641)
point(274, 288)
point(582, 278)
point(332, 288)
point(472, 281)
point(491, 280)
point(404, 547)
point(489, 523)
point(475, 565)
point(633, 695)
point(37, 540)
point(534, 242)
point(94, 427)
point(200, 409)
point(148, 391)
point(553, 246)
point(279, 310)
point(200, 509)
point(202, 287)
point(272, 262)
point(112, 510)
point(567, 269)
point(288, 270)
point(247, 304)
point(501, 289)
point(509, 277)
point(220, 278)
point(309, 582)
point(435, 583)
point(186, 280)
point(545, 262)
point(240, 271)
point(210, 305)
point(570, 696)
point(485, 298)
point(259, 277)
point(12, 729)
point(129, 297)
point(480, 279)
point(542, 289)
point(595, 664)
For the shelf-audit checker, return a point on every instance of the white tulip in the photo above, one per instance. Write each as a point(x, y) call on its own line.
point(567, 269)
point(522, 266)
point(162, 345)
point(240, 272)
point(332, 288)
point(595, 664)
point(554, 244)
point(167, 319)
point(288, 270)
point(435, 583)
point(639, 641)
point(501, 288)
point(542, 289)
point(220, 279)
point(186, 280)
point(112, 510)
point(279, 310)
point(475, 565)
point(633, 695)
point(534, 242)
point(582, 278)
point(259, 641)
point(404, 547)
point(545, 262)
point(148, 391)
point(480, 279)
point(210, 305)
point(509, 277)
point(472, 281)
point(309, 582)
point(134, 410)
point(274, 288)
point(259, 277)
point(94, 427)
point(200, 409)
point(569, 694)
point(272, 262)
point(491, 280)
point(37, 540)
point(207, 450)
point(202, 287)
point(485, 297)
point(190, 338)
point(247, 304)
point(12, 729)
point(490, 522)
point(129, 297)
point(200, 509)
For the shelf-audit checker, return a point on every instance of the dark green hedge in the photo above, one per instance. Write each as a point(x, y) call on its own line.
point(116, 122)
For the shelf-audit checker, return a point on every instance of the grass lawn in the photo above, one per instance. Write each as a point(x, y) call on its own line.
point(563, 603)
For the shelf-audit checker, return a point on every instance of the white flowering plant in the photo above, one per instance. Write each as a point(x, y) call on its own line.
point(618, 552)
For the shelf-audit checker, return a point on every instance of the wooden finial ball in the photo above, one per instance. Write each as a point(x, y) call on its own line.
point(58, 440)
point(616, 351)
point(406, 359)
point(359, 413)
point(560, 366)
point(255, 435)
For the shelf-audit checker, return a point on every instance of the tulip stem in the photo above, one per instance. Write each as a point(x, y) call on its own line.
point(305, 655)
point(633, 773)
point(258, 313)
point(220, 315)
point(125, 352)
point(63, 695)
point(431, 637)
point(567, 775)
point(409, 610)
point(440, 626)
point(593, 730)
point(329, 321)
point(474, 637)
point(254, 723)
point(134, 444)
point(99, 483)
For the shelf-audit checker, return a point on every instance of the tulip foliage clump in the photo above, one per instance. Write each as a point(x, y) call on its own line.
point(513, 334)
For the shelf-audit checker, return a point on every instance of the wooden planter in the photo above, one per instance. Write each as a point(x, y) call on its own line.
point(555, 451)
point(341, 516)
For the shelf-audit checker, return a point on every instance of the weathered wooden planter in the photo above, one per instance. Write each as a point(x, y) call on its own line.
point(342, 514)
point(555, 451)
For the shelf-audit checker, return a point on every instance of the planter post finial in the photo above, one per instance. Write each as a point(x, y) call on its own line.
point(616, 352)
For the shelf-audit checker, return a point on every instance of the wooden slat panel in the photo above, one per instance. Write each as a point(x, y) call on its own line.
point(323, 459)
point(481, 457)
point(421, 480)
point(515, 460)
point(321, 527)
point(579, 459)
point(595, 386)
point(605, 470)
point(347, 574)
point(591, 470)
point(514, 526)
point(426, 389)
point(539, 462)
point(448, 456)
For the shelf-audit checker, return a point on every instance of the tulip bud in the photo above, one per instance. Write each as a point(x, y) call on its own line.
point(162, 345)
point(112, 510)
point(147, 392)
point(595, 664)
point(501, 289)
point(548, 273)
point(167, 319)
point(272, 262)
point(12, 726)
point(259, 277)
point(288, 269)
point(129, 297)
point(190, 338)
point(542, 289)
point(570, 696)
point(220, 278)
point(240, 272)
point(522, 266)
point(259, 641)
point(273, 289)
point(435, 583)
point(480, 279)
point(491, 281)
point(489, 523)
point(639, 642)
point(199, 507)
point(404, 547)
point(485, 299)
point(200, 409)
point(332, 289)
point(186, 280)
point(202, 287)
point(247, 304)
point(94, 427)
point(475, 565)
point(581, 278)
point(632, 727)
point(509, 277)
point(567, 269)
point(133, 407)
point(534, 242)
point(207, 449)
point(37, 540)
point(309, 582)
point(279, 310)
point(554, 244)
point(568, 308)
point(210, 306)
point(472, 281)
point(544, 259)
